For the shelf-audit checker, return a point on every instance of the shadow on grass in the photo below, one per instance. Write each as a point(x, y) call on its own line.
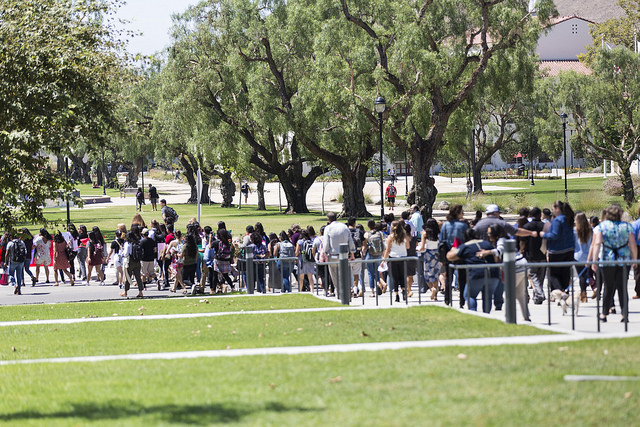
point(170, 413)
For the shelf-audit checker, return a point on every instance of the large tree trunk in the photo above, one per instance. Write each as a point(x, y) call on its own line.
point(353, 181)
point(477, 178)
point(191, 173)
point(627, 183)
point(228, 190)
point(262, 206)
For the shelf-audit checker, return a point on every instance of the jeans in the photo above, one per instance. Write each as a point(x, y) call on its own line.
point(536, 274)
point(372, 270)
point(285, 268)
point(16, 273)
point(259, 269)
point(474, 287)
point(498, 298)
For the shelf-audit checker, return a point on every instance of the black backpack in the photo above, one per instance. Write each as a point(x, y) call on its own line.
point(136, 251)
point(170, 214)
point(19, 251)
point(307, 250)
point(357, 240)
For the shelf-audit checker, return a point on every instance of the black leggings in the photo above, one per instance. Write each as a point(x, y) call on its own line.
point(560, 277)
point(397, 274)
point(189, 274)
point(614, 279)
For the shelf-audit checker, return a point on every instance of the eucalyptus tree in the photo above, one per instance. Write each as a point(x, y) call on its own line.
point(57, 59)
point(430, 57)
point(605, 108)
point(499, 116)
point(214, 52)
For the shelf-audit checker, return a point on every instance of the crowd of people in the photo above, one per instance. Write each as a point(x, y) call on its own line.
point(160, 254)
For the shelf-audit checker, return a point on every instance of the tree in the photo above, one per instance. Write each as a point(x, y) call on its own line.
point(430, 57)
point(57, 58)
point(606, 109)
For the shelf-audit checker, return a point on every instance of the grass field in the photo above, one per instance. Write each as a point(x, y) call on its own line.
point(585, 194)
point(442, 386)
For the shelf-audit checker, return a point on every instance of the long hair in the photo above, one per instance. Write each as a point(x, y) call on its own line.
point(190, 245)
point(454, 212)
point(431, 229)
point(583, 229)
point(99, 235)
point(566, 210)
point(44, 233)
point(397, 231)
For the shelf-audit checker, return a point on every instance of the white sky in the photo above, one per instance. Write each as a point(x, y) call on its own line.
point(153, 19)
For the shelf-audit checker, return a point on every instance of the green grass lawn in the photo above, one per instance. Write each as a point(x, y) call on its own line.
point(441, 386)
point(506, 385)
point(107, 218)
point(248, 331)
point(585, 194)
point(160, 306)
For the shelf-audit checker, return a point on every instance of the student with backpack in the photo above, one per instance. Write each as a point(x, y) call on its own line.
point(259, 253)
point(284, 249)
point(223, 256)
point(61, 262)
point(373, 247)
point(169, 215)
point(357, 234)
point(15, 258)
point(96, 255)
point(391, 193)
point(132, 258)
point(304, 252)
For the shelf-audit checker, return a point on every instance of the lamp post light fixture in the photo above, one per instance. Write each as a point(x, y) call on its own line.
point(379, 106)
point(564, 116)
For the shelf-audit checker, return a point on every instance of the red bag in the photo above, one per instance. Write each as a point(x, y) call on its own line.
point(4, 279)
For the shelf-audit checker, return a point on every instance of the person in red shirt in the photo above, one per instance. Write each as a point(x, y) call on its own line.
point(391, 195)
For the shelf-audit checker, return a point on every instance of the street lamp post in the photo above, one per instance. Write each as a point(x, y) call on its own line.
point(104, 177)
point(66, 171)
point(564, 140)
point(380, 105)
point(531, 162)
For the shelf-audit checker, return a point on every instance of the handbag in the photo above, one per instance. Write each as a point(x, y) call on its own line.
point(71, 255)
point(4, 279)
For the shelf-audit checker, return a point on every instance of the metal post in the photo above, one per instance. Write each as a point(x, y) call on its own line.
point(564, 139)
point(548, 295)
point(573, 301)
point(104, 177)
point(509, 268)
point(249, 265)
point(345, 272)
point(531, 162)
point(381, 168)
point(406, 174)
point(240, 199)
point(142, 174)
point(473, 160)
point(66, 171)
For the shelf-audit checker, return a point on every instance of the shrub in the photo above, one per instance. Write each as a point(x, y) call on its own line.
point(613, 186)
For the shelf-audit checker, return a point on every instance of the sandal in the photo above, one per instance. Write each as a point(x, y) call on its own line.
point(603, 318)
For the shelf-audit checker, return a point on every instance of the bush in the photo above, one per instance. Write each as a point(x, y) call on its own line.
point(613, 186)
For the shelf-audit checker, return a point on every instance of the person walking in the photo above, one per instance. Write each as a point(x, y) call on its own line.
point(285, 250)
point(153, 197)
point(95, 258)
point(452, 236)
point(132, 257)
point(396, 247)
point(149, 254)
point(139, 199)
point(613, 240)
point(534, 254)
point(373, 248)
point(16, 254)
point(560, 245)
point(583, 237)
point(336, 234)
point(429, 245)
point(42, 256)
point(27, 239)
point(391, 193)
point(61, 262)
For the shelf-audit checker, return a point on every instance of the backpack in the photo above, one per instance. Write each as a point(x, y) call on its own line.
point(286, 249)
point(307, 250)
point(392, 191)
point(19, 251)
point(375, 243)
point(136, 251)
point(259, 251)
point(170, 214)
point(443, 248)
point(224, 252)
point(357, 240)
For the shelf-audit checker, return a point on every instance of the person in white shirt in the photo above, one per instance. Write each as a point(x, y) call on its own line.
point(335, 234)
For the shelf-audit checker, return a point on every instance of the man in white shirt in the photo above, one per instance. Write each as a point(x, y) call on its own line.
point(416, 219)
point(335, 234)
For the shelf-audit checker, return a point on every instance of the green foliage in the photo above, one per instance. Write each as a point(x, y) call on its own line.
point(57, 58)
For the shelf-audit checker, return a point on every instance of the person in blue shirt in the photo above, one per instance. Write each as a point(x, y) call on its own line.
point(560, 245)
point(636, 272)
point(452, 232)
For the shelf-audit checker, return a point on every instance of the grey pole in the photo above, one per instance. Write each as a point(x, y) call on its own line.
point(248, 253)
point(344, 289)
point(509, 258)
